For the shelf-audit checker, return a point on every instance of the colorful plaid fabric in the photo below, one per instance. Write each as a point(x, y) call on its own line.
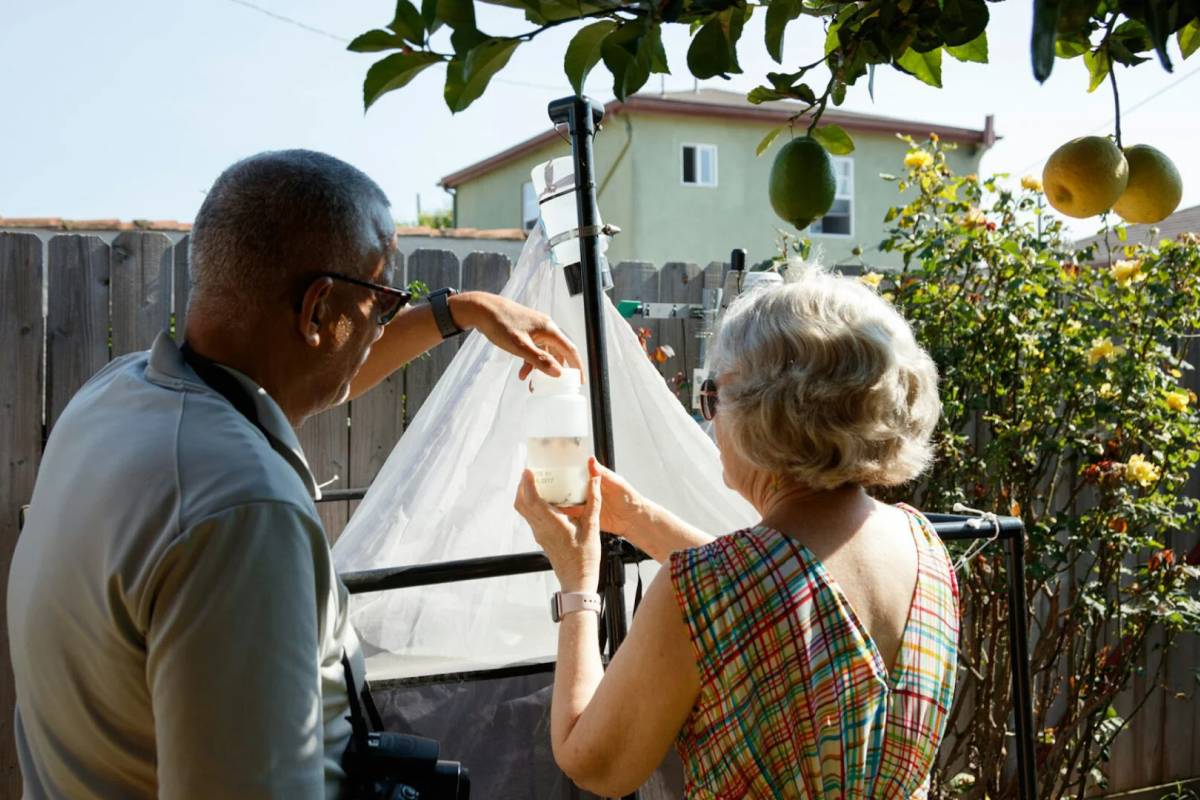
point(795, 701)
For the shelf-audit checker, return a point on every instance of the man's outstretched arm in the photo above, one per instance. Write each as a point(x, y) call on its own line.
point(527, 334)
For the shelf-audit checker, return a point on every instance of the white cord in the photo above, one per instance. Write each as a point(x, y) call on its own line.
point(329, 482)
point(983, 518)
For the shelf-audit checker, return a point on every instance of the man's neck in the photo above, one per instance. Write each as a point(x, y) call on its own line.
point(256, 365)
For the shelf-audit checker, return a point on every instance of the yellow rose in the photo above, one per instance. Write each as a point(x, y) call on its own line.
point(1106, 390)
point(975, 219)
point(1103, 348)
point(1178, 401)
point(1031, 183)
point(1141, 471)
point(888, 296)
point(871, 279)
point(1073, 325)
point(918, 158)
point(1126, 272)
point(1176, 373)
point(933, 137)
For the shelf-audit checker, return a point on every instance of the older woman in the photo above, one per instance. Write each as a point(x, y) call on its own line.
point(813, 655)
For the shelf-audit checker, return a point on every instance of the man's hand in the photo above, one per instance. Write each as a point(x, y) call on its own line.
point(529, 335)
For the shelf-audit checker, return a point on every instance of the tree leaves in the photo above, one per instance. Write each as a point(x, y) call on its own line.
point(713, 50)
point(769, 139)
point(374, 41)
point(975, 50)
point(628, 52)
point(394, 72)
point(467, 79)
point(779, 14)
point(962, 21)
point(458, 14)
point(583, 53)
point(408, 22)
point(926, 67)
point(833, 139)
point(1098, 64)
point(1188, 38)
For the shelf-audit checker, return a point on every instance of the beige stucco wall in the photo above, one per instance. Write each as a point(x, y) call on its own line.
point(664, 220)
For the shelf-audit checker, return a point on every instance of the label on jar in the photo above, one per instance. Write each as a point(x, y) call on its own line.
point(562, 486)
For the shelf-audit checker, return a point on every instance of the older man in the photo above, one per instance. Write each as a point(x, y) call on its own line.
point(176, 626)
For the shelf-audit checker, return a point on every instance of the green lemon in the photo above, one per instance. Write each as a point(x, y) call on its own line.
point(802, 183)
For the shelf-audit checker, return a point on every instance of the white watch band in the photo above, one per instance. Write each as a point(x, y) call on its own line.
point(563, 603)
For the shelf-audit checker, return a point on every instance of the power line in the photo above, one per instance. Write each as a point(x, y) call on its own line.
point(344, 40)
point(1126, 113)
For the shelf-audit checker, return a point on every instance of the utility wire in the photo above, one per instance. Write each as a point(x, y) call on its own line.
point(1125, 114)
point(344, 40)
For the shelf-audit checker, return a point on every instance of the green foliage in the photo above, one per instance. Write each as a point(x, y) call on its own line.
point(908, 35)
point(1064, 403)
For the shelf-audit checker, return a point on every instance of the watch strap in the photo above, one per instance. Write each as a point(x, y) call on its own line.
point(564, 603)
point(439, 301)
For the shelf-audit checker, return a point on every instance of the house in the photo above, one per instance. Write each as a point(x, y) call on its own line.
point(1186, 220)
point(677, 172)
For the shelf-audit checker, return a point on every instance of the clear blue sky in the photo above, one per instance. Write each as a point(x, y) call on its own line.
point(130, 108)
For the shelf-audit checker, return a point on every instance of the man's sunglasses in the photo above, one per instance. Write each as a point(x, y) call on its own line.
point(708, 399)
point(389, 299)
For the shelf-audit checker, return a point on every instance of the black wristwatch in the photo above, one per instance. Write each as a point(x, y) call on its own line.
point(439, 301)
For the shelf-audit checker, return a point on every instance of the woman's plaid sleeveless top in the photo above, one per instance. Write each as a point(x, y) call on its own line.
point(795, 699)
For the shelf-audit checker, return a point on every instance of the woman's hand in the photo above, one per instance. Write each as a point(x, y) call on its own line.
point(621, 507)
point(572, 545)
point(529, 335)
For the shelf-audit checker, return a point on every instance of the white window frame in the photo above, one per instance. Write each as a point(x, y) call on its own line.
point(837, 161)
point(698, 148)
point(525, 221)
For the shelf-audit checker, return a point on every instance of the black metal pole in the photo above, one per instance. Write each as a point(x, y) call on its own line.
point(1018, 641)
point(582, 117)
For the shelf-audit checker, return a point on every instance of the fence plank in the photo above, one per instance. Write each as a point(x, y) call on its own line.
point(376, 420)
point(325, 440)
point(78, 272)
point(675, 285)
point(182, 285)
point(141, 290)
point(1180, 733)
point(485, 272)
point(637, 280)
point(22, 330)
point(434, 268)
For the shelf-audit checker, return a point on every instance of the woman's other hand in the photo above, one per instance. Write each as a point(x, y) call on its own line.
point(572, 543)
point(621, 507)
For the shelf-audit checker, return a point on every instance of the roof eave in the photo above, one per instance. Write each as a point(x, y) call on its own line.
point(642, 104)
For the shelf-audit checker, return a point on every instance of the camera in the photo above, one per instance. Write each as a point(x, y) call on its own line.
point(404, 767)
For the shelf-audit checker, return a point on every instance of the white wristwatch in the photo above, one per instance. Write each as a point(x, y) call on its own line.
point(563, 603)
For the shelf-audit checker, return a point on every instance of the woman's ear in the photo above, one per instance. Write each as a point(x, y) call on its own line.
point(314, 311)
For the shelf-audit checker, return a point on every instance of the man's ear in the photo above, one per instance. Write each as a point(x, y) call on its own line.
point(314, 311)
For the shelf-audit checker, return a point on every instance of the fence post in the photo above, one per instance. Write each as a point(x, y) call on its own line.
point(22, 330)
point(435, 269)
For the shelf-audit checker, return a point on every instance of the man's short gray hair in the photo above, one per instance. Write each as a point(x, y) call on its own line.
point(274, 221)
point(827, 383)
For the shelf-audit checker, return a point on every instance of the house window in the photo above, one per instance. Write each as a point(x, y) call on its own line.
point(529, 206)
point(700, 165)
point(840, 219)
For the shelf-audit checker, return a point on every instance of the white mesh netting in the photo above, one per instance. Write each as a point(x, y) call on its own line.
point(447, 490)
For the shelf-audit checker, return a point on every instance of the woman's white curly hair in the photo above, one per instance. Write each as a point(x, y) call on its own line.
point(825, 383)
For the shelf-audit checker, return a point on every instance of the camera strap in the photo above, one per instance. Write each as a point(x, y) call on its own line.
point(224, 384)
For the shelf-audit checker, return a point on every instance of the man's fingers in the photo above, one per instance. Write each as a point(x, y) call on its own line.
point(556, 341)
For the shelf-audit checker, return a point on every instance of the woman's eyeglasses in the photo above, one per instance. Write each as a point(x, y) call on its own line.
point(708, 399)
point(388, 298)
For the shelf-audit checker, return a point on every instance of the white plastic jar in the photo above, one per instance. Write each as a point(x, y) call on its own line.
point(558, 431)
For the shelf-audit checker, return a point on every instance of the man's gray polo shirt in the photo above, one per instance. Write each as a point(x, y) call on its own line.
point(175, 621)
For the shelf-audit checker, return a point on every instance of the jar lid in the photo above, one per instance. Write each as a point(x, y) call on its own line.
point(569, 382)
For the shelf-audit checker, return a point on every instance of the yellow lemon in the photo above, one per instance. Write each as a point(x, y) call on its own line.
point(802, 183)
point(1154, 189)
point(1085, 176)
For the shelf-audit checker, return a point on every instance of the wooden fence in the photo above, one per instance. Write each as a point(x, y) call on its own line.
point(67, 308)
